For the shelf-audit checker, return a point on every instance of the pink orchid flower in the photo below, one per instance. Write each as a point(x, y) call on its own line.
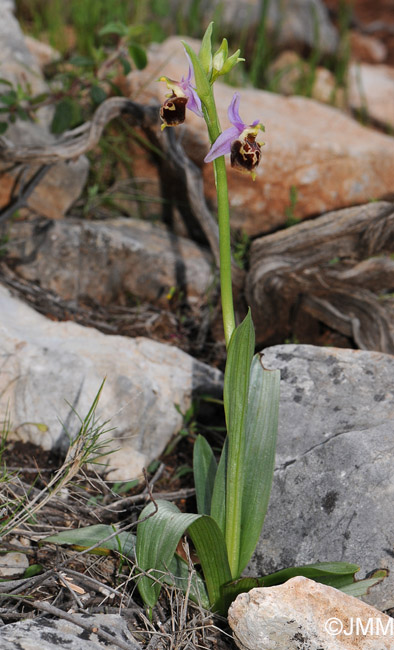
point(239, 140)
point(183, 94)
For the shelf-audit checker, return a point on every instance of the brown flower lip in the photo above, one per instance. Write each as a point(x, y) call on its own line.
point(173, 111)
point(246, 153)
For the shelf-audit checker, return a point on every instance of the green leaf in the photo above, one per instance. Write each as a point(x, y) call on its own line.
point(33, 570)
point(114, 27)
point(125, 63)
point(138, 55)
point(82, 61)
point(5, 81)
point(212, 554)
point(179, 575)
point(205, 53)
point(3, 127)
point(235, 396)
point(9, 98)
point(260, 446)
point(360, 588)
point(67, 114)
point(97, 94)
point(339, 575)
point(203, 86)
point(157, 538)
point(83, 538)
point(204, 468)
point(218, 500)
point(22, 114)
point(329, 573)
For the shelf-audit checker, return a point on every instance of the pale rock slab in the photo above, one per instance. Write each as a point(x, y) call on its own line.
point(366, 48)
point(49, 368)
point(332, 497)
point(304, 615)
point(105, 260)
point(13, 565)
point(64, 182)
point(371, 90)
point(42, 52)
point(330, 159)
point(52, 634)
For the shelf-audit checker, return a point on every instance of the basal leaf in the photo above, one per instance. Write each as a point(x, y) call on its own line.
point(260, 446)
point(204, 468)
point(218, 501)
point(179, 575)
point(340, 575)
point(123, 542)
point(235, 396)
point(157, 537)
point(212, 554)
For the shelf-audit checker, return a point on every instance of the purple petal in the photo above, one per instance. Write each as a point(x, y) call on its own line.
point(233, 113)
point(222, 144)
point(194, 102)
point(191, 69)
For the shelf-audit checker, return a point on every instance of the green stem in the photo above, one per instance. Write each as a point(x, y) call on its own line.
point(219, 166)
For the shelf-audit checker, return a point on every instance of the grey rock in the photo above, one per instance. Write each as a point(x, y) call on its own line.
point(52, 634)
point(292, 23)
point(63, 183)
point(333, 491)
point(106, 260)
point(48, 369)
point(13, 564)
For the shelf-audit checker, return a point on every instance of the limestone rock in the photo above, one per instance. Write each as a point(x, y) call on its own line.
point(332, 495)
point(13, 565)
point(49, 369)
point(105, 260)
point(371, 91)
point(291, 75)
point(63, 183)
point(304, 614)
point(51, 634)
point(329, 158)
point(42, 52)
point(366, 48)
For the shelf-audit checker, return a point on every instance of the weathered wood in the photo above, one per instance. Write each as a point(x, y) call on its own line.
point(175, 167)
point(338, 268)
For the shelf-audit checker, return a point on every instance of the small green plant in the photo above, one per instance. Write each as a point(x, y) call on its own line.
point(232, 494)
point(88, 446)
point(241, 248)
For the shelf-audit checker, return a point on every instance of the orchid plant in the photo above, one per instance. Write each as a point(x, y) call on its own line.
point(232, 495)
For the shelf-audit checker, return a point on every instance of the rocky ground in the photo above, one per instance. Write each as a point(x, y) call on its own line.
point(130, 294)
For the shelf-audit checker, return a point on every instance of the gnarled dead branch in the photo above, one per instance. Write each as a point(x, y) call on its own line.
point(338, 268)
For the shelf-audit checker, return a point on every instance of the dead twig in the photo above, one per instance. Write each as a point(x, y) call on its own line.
point(24, 193)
